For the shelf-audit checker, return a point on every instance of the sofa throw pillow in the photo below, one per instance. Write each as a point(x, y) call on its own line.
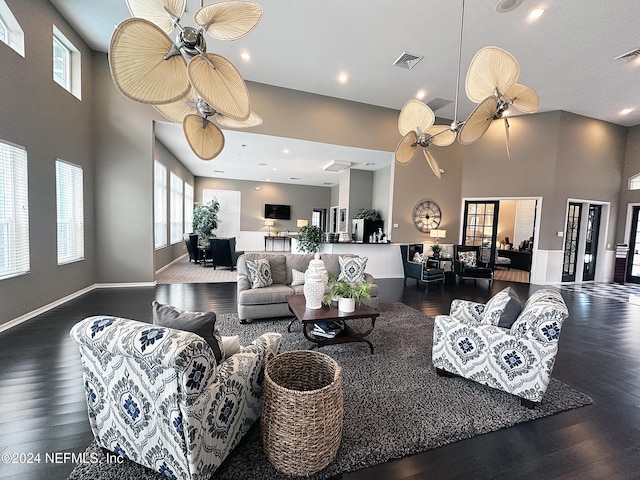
point(418, 257)
point(469, 259)
point(298, 277)
point(200, 323)
point(352, 268)
point(502, 309)
point(259, 273)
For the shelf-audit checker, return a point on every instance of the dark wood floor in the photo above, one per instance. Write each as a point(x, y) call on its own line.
point(42, 407)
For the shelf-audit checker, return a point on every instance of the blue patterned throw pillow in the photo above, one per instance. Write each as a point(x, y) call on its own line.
point(200, 323)
point(352, 268)
point(259, 273)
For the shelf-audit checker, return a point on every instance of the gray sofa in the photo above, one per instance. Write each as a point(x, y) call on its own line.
point(271, 301)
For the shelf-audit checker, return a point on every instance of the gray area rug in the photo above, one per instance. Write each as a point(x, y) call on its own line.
point(395, 404)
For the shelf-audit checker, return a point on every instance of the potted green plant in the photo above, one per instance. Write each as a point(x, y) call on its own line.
point(205, 219)
point(368, 214)
point(348, 294)
point(309, 239)
point(436, 249)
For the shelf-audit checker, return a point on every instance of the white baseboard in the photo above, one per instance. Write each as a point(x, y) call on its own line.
point(171, 263)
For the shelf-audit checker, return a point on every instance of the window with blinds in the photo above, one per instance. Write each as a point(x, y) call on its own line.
point(176, 228)
point(159, 205)
point(229, 214)
point(14, 211)
point(188, 208)
point(70, 212)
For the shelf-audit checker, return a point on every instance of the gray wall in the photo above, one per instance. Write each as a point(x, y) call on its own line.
point(50, 123)
point(302, 199)
point(360, 193)
point(631, 168)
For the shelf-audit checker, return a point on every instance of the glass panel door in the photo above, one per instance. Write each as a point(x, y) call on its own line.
point(633, 269)
point(481, 228)
point(571, 242)
point(591, 242)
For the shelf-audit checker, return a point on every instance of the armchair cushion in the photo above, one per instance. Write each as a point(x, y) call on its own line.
point(200, 323)
point(502, 309)
point(469, 259)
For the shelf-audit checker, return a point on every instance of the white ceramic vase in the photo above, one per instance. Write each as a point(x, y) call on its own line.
point(320, 266)
point(313, 289)
point(347, 305)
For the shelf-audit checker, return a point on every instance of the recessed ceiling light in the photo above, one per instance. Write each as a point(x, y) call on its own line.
point(246, 56)
point(536, 14)
point(421, 94)
point(343, 78)
point(256, 188)
point(285, 151)
point(504, 6)
point(369, 163)
point(294, 178)
point(274, 169)
point(626, 111)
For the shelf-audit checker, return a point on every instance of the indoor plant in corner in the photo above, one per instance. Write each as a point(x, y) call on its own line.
point(309, 239)
point(348, 294)
point(205, 220)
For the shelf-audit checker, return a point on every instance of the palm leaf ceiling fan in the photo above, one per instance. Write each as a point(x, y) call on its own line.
point(491, 82)
point(180, 79)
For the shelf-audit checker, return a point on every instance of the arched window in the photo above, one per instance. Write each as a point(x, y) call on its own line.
point(634, 182)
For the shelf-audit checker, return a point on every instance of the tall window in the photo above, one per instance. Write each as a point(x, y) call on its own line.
point(70, 212)
point(177, 209)
point(66, 63)
point(10, 31)
point(634, 182)
point(14, 211)
point(160, 204)
point(188, 208)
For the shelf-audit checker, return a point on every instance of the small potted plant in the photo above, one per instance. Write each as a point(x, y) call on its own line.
point(348, 294)
point(436, 249)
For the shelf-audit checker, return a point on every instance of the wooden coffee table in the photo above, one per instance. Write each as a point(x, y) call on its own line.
point(330, 313)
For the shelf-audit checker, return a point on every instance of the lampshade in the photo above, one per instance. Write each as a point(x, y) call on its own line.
point(438, 233)
point(268, 223)
point(302, 223)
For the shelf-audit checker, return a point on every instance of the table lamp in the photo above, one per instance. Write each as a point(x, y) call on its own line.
point(438, 234)
point(302, 223)
point(269, 223)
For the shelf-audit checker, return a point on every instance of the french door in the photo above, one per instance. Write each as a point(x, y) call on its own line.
point(633, 268)
point(571, 237)
point(591, 242)
point(481, 227)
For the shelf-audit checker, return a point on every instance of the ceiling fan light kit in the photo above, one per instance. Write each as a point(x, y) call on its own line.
point(491, 82)
point(180, 79)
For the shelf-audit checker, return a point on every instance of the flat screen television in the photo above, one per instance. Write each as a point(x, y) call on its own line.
point(277, 212)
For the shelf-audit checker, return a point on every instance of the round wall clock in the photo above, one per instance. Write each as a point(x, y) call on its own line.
point(427, 216)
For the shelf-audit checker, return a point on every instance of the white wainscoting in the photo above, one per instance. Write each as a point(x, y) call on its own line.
point(547, 267)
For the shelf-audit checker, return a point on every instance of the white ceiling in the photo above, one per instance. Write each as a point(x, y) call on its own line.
point(567, 56)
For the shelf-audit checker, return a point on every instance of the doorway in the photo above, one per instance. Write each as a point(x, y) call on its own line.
point(571, 236)
point(591, 242)
point(481, 227)
point(633, 267)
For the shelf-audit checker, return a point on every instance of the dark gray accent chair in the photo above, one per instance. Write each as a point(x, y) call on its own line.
point(222, 252)
point(429, 273)
point(482, 270)
point(191, 240)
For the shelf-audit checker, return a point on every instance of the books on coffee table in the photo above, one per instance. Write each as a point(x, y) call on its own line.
point(326, 329)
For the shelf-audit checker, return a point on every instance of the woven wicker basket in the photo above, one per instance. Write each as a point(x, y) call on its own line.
point(302, 411)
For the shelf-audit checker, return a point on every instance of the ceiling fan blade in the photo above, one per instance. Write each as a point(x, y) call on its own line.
point(220, 84)
point(205, 139)
point(491, 68)
point(415, 115)
point(176, 111)
point(433, 163)
point(154, 11)
point(406, 149)
point(478, 122)
point(442, 135)
point(138, 66)
point(524, 98)
point(229, 20)
point(506, 136)
point(254, 120)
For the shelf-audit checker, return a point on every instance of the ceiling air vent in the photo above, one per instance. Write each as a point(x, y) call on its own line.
point(437, 103)
point(407, 60)
point(629, 56)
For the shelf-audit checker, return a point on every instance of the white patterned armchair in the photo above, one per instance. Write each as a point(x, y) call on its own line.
point(518, 360)
point(156, 396)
